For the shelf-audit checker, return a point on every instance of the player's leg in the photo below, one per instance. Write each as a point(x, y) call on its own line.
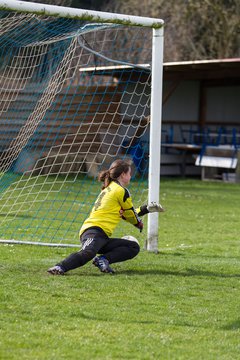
point(92, 240)
point(118, 250)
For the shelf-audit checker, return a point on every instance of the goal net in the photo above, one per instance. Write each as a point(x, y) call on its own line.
point(75, 95)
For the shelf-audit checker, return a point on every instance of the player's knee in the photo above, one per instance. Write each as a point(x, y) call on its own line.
point(135, 248)
point(88, 254)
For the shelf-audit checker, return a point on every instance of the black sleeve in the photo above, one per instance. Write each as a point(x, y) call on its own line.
point(142, 210)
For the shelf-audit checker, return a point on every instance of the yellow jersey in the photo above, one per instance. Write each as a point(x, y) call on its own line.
point(113, 204)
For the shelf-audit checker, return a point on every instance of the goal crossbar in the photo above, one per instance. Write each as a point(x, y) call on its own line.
point(80, 14)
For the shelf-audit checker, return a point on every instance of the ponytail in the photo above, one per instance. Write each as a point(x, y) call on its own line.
point(104, 177)
point(116, 169)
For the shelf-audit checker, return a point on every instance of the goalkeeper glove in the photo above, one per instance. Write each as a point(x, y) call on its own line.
point(139, 225)
point(155, 207)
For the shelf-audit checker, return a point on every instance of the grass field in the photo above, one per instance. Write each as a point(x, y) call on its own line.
point(183, 303)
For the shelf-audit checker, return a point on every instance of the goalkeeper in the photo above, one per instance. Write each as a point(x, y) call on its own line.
point(113, 204)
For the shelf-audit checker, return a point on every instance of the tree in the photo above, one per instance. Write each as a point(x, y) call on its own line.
point(213, 29)
point(194, 30)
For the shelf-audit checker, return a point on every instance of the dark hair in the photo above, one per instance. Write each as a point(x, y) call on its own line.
point(116, 169)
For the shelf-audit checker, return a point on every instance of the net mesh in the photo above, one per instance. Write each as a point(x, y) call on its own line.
point(74, 97)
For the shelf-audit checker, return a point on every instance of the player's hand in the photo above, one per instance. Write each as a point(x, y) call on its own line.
point(155, 207)
point(139, 225)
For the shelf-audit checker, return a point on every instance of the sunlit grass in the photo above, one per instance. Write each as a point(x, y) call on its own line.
point(182, 303)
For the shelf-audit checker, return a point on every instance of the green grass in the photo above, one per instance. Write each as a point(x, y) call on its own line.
point(183, 303)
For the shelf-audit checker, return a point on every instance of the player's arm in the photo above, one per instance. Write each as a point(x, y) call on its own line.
point(128, 211)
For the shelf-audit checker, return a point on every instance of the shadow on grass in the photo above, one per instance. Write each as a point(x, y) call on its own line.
point(197, 255)
point(187, 272)
point(23, 216)
point(232, 326)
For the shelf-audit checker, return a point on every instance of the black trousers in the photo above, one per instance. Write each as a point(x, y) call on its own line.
point(95, 241)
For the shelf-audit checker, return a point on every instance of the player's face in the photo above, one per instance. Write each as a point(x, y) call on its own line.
point(125, 177)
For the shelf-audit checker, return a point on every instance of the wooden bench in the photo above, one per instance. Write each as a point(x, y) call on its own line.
point(217, 161)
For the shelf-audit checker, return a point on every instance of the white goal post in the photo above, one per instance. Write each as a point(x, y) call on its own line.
point(157, 26)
